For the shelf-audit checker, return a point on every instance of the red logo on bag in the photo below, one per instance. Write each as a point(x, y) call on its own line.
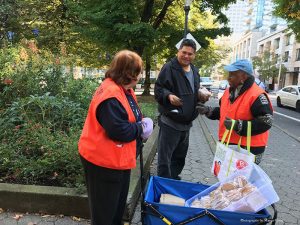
point(240, 164)
point(217, 168)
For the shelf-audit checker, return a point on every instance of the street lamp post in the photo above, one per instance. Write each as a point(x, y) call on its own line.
point(35, 32)
point(10, 36)
point(279, 73)
point(186, 10)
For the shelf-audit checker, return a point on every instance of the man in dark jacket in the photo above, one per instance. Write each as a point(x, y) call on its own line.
point(176, 92)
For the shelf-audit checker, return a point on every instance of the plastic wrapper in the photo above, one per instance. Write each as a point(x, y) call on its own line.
point(247, 190)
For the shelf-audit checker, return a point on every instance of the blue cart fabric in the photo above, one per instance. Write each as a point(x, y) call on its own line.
point(161, 214)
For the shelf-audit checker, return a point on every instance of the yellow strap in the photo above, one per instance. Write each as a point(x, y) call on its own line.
point(230, 161)
point(239, 144)
point(249, 136)
point(166, 221)
point(224, 136)
point(226, 132)
point(230, 132)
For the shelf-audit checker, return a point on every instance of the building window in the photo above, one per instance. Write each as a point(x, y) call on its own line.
point(276, 43)
point(286, 56)
point(273, 28)
point(277, 58)
point(298, 54)
point(261, 49)
point(287, 39)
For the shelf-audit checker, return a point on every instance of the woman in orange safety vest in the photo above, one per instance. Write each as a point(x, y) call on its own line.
point(112, 133)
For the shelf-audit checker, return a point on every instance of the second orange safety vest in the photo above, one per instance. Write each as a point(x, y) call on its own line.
point(240, 110)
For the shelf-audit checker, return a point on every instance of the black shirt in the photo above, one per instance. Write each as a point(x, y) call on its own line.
point(114, 119)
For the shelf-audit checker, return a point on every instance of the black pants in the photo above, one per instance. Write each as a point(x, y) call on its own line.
point(172, 149)
point(107, 192)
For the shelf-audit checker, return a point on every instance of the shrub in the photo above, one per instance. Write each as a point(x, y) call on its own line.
point(35, 155)
point(58, 113)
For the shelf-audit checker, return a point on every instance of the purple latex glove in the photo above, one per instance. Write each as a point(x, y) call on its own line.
point(147, 125)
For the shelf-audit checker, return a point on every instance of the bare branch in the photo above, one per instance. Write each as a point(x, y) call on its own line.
point(162, 14)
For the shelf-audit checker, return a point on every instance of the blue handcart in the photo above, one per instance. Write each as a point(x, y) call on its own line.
point(154, 213)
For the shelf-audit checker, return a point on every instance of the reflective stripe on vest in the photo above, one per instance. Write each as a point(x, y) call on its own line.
point(240, 110)
point(94, 144)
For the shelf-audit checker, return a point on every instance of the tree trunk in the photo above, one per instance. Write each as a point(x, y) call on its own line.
point(147, 77)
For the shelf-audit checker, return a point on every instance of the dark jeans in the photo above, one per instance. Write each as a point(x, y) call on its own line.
point(107, 192)
point(172, 149)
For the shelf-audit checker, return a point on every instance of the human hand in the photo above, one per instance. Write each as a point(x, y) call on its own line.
point(147, 125)
point(228, 123)
point(203, 109)
point(174, 100)
point(203, 95)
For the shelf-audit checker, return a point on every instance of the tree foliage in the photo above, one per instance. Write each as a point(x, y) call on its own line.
point(289, 10)
point(266, 66)
point(137, 25)
point(92, 31)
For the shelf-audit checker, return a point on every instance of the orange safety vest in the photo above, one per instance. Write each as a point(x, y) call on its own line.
point(240, 110)
point(94, 144)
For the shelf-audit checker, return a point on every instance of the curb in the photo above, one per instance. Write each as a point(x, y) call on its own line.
point(208, 135)
point(60, 200)
point(286, 132)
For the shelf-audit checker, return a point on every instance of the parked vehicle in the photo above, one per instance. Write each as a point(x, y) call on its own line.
point(206, 82)
point(223, 84)
point(289, 96)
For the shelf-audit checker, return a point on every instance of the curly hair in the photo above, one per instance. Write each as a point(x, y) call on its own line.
point(125, 67)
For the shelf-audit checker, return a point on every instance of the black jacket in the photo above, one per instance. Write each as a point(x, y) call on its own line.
point(114, 119)
point(172, 80)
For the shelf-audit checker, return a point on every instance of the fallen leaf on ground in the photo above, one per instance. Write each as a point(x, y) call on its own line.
point(45, 216)
point(76, 218)
point(18, 216)
point(31, 223)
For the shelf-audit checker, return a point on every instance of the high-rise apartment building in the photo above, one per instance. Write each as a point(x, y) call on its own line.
point(236, 14)
point(258, 22)
point(260, 16)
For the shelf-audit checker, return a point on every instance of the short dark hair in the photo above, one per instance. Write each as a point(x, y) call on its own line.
point(125, 67)
point(189, 43)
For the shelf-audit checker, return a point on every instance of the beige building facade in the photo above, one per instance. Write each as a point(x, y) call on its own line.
point(246, 47)
point(283, 45)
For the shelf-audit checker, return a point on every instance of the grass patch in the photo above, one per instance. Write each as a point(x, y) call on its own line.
point(148, 106)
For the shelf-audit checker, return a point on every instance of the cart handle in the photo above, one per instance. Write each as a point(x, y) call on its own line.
point(273, 220)
point(204, 213)
point(275, 214)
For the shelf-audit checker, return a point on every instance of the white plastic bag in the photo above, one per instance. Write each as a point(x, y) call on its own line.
point(229, 159)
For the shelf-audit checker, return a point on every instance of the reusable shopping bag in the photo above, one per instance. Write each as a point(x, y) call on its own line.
point(229, 159)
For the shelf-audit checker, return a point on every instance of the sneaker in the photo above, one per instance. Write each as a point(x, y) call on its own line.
point(177, 178)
